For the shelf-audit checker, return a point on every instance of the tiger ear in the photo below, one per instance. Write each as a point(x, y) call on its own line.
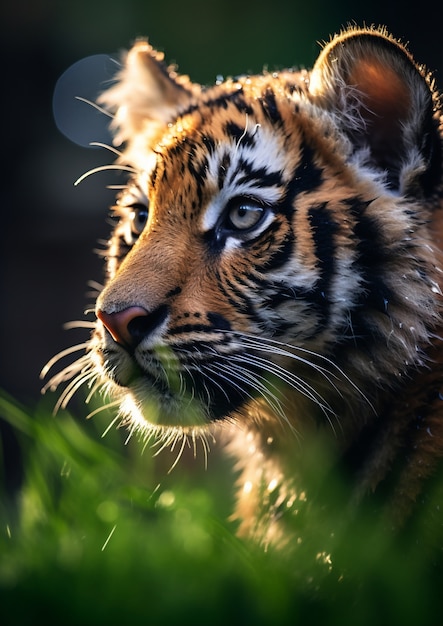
point(384, 102)
point(147, 95)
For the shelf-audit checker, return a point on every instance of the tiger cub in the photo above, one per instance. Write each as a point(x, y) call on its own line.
point(275, 272)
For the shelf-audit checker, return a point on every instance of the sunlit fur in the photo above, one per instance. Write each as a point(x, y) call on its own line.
point(280, 237)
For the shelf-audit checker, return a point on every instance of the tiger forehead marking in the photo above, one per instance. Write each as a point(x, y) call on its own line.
point(275, 268)
point(243, 156)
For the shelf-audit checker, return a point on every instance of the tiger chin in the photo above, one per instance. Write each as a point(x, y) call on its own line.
point(274, 275)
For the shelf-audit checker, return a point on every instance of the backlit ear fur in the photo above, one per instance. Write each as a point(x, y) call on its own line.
point(386, 104)
point(147, 95)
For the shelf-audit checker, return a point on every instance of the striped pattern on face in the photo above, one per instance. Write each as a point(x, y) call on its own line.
point(258, 221)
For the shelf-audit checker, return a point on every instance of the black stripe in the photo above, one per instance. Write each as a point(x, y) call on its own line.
point(236, 296)
point(223, 169)
point(209, 143)
point(197, 162)
point(221, 102)
point(262, 177)
point(372, 257)
point(154, 174)
point(174, 292)
point(307, 177)
point(323, 230)
point(198, 167)
point(217, 321)
point(270, 108)
point(372, 264)
point(241, 104)
point(283, 250)
point(240, 134)
point(190, 328)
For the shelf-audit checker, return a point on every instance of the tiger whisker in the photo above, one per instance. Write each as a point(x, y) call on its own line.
point(296, 382)
point(133, 427)
point(104, 168)
point(63, 376)
point(262, 389)
point(95, 106)
point(60, 355)
point(67, 373)
point(112, 423)
point(73, 386)
point(204, 443)
point(95, 285)
point(250, 379)
point(215, 369)
point(215, 383)
point(182, 390)
point(95, 386)
point(178, 436)
point(184, 441)
point(164, 439)
point(207, 391)
point(79, 324)
point(288, 377)
point(106, 146)
point(105, 407)
point(287, 350)
point(75, 366)
point(147, 436)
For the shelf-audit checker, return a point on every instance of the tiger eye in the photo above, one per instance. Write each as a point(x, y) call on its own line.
point(244, 214)
point(139, 218)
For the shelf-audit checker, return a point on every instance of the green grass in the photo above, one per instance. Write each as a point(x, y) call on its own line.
point(98, 532)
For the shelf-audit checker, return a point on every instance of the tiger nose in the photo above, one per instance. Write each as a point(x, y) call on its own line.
point(133, 324)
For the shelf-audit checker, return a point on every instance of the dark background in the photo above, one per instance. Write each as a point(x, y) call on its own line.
point(49, 227)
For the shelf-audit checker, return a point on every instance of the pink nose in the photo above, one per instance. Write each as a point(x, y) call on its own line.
point(119, 324)
point(133, 324)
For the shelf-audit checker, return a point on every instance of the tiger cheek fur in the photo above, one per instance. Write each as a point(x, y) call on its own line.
point(273, 270)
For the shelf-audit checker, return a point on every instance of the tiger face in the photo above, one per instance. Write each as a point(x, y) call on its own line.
point(225, 231)
point(276, 259)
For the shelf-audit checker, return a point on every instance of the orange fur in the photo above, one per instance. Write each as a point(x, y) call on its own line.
point(286, 285)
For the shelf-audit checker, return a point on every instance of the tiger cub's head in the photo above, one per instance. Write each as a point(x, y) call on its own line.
point(273, 247)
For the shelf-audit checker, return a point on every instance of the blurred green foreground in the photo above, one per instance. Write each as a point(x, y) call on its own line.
point(95, 531)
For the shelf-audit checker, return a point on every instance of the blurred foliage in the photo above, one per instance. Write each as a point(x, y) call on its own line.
point(100, 533)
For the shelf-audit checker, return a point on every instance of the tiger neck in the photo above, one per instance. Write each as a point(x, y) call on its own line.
point(387, 456)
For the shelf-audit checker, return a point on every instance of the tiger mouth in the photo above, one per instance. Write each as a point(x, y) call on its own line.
point(172, 396)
